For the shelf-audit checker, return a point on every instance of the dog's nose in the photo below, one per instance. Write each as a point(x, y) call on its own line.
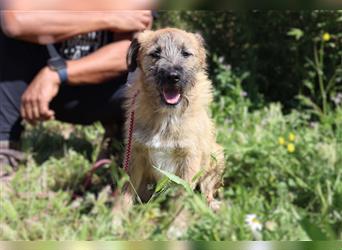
point(173, 77)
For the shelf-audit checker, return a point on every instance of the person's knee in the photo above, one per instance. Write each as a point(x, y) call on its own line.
point(10, 118)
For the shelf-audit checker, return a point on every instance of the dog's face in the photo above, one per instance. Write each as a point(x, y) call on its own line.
point(169, 60)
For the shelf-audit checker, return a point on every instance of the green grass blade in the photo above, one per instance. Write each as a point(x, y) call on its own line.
point(176, 179)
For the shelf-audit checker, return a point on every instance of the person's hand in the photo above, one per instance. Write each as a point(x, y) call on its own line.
point(130, 21)
point(35, 100)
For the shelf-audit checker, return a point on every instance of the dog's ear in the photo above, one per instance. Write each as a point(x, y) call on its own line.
point(202, 50)
point(132, 55)
point(200, 39)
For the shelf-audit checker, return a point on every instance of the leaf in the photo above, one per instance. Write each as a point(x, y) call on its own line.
point(176, 180)
point(161, 184)
point(313, 231)
point(309, 86)
point(9, 210)
point(7, 233)
point(296, 33)
point(199, 205)
point(198, 176)
point(309, 103)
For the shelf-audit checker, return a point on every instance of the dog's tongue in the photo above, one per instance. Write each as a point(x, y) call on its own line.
point(171, 95)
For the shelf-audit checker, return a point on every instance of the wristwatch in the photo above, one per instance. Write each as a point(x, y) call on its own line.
point(57, 64)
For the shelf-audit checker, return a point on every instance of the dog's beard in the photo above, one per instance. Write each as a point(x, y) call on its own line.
point(170, 95)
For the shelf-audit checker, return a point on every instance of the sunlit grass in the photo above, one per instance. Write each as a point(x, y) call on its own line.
point(295, 194)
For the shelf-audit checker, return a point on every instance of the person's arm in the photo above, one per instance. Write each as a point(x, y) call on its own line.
point(46, 22)
point(104, 64)
point(45, 27)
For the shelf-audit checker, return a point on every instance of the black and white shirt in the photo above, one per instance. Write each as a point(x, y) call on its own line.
point(82, 45)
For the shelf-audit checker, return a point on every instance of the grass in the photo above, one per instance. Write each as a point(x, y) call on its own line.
point(295, 195)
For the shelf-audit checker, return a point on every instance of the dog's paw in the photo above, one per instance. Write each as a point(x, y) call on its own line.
point(117, 223)
point(215, 205)
point(119, 210)
point(119, 215)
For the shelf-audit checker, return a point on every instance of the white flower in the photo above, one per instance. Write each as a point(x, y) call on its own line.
point(253, 222)
point(243, 94)
point(337, 99)
point(221, 59)
point(255, 225)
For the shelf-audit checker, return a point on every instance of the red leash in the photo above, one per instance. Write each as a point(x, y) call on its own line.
point(97, 165)
point(130, 134)
point(103, 162)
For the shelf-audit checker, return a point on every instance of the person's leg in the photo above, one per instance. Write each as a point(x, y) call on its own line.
point(10, 123)
point(78, 105)
point(87, 104)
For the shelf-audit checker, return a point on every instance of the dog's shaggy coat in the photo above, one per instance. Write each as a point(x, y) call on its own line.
point(177, 138)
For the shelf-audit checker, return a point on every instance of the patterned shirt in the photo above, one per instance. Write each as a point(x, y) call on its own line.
point(82, 45)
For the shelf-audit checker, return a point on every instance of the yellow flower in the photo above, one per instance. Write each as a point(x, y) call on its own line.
point(152, 213)
point(281, 140)
point(326, 37)
point(292, 137)
point(291, 147)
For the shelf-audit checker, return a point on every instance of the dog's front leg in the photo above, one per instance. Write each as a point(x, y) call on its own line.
point(190, 169)
point(126, 199)
point(212, 178)
point(208, 185)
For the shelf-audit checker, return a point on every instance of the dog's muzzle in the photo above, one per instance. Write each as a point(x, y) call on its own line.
point(171, 88)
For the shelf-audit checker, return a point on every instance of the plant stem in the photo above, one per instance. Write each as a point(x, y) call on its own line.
point(319, 62)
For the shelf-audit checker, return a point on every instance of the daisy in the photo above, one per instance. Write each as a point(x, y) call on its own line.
point(253, 222)
point(255, 225)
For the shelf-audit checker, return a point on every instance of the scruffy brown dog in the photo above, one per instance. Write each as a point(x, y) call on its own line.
point(172, 128)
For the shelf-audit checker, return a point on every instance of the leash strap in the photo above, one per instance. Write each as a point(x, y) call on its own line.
point(101, 163)
point(130, 134)
point(96, 166)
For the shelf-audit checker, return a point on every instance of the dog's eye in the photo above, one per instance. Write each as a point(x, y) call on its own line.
point(186, 54)
point(156, 54)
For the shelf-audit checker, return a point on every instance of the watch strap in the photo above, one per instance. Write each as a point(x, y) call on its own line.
point(62, 72)
point(63, 75)
point(52, 51)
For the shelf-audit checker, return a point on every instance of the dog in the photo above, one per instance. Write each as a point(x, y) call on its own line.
point(172, 130)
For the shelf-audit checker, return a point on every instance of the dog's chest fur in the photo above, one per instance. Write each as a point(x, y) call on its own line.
point(164, 148)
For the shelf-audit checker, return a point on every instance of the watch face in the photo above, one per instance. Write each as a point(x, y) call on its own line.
point(57, 63)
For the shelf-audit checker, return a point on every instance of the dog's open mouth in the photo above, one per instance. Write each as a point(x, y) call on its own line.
point(172, 94)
